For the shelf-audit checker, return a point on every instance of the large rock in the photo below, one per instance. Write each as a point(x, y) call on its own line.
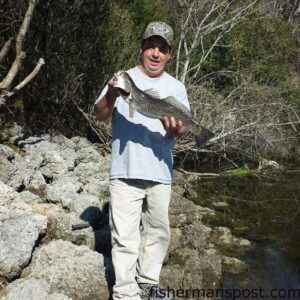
point(226, 241)
point(194, 271)
point(17, 240)
point(60, 227)
point(20, 228)
point(64, 190)
point(31, 289)
point(184, 211)
point(11, 204)
point(195, 236)
point(87, 155)
point(75, 271)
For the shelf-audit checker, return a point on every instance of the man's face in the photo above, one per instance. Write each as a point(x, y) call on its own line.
point(155, 54)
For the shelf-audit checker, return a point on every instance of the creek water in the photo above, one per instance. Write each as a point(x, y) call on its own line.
point(266, 211)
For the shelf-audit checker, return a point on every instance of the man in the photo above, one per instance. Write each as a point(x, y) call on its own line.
point(141, 170)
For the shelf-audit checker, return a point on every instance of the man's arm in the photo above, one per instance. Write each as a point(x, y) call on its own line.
point(105, 106)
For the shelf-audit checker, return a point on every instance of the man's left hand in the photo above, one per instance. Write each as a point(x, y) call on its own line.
point(173, 127)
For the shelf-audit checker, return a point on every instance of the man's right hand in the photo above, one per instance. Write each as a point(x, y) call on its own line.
point(105, 106)
point(112, 91)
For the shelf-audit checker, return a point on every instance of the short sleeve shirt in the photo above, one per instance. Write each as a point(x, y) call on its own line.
point(140, 147)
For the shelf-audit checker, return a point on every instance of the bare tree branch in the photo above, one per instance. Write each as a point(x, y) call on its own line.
point(5, 49)
point(199, 20)
point(7, 94)
point(20, 54)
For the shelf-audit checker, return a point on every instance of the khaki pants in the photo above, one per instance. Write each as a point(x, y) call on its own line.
point(138, 251)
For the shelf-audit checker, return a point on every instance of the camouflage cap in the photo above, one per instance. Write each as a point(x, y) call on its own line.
point(161, 29)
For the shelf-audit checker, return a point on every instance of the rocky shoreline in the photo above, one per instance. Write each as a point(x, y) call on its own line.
point(48, 184)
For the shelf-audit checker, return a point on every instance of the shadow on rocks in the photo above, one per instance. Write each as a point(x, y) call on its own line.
point(99, 221)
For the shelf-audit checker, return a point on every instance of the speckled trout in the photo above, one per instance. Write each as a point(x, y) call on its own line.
point(150, 105)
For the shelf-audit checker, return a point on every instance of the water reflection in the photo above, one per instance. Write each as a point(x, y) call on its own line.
point(267, 212)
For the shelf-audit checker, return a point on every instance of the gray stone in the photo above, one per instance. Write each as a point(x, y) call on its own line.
point(35, 181)
point(195, 236)
point(63, 142)
point(8, 152)
point(224, 239)
point(99, 188)
point(11, 204)
point(29, 197)
point(80, 142)
point(194, 271)
point(15, 132)
point(81, 204)
point(6, 169)
point(233, 265)
point(75, 271)
point(17, 240)
point(87, 155)
point(32, 141)
point(86, 170)
point(175, 243)
point(31, 289)
point(60, 227)
point(183, 211)
point(69, 156)
point(64, 190)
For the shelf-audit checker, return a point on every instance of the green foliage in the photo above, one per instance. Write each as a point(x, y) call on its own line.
point(245, 171)
point(261, 46)
point(119, 44)
point(143, 12)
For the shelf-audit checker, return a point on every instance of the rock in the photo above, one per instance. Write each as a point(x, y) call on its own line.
point(99, 188)
point(182, 255)
point(87, 155)
point(199, 271)
point(84, 171)
point(175, 243)
point(11, 204)
point(6, 169)
point(60, 227)
point(80, 142)
point(183, 211)
point(63, 190)
point(8, 153)
point(88, 207)
point(33, 141)
point(75, 271)
point(15, 132)
point(195, 236)
point(29, 197)
point(63, 142)
point(233, 265)
point(222, 237)
point(17, 240)
point(33, 289)
point(36, 183)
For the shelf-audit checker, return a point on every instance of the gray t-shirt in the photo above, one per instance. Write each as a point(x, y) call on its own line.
point(140, 147)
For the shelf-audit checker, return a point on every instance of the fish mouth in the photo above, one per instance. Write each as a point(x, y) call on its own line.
point(123, 92)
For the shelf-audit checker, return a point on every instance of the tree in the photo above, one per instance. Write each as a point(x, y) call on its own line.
point(5, 85)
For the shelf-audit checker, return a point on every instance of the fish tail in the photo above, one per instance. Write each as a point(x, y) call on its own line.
point(202, 136)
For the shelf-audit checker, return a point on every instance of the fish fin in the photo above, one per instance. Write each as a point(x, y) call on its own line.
point(131, 109)
point(203, 136)
point(172, 100)
point(152, 93)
